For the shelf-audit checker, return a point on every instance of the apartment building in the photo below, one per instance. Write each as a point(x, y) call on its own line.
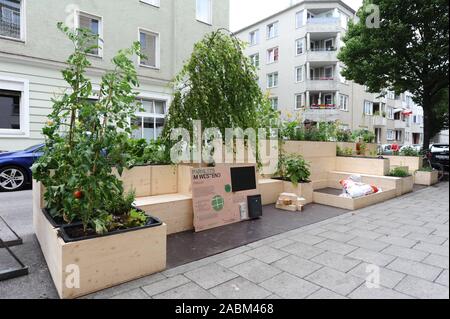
point(33, 51)
point(296, 51)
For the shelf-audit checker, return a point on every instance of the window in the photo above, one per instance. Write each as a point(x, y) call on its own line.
point(150, 122)
point(254, 37)
point(299, 74)
point(328, 98)
point(368, 108)
point(343, 102)
point(391, 95)
point(272, 55)
point(299, 101)
point(255, 60)
point(398, 135)
point(12, 19)
point(204, 11)
point(390, 113)
point(14, 107)
point(272, 80)
point(299, 19)
point(154, 3)
point(274, 103)
point(390, 135)
point(93, 24)
point(272, 30)
point(299, 46)
point(150, 49)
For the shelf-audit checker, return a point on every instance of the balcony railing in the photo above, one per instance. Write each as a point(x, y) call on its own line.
point(329, 49)
point(323, 21)
point(316, 106)
point(322, 78)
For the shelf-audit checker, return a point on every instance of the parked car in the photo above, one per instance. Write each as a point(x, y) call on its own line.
point(387, 149)
point(439, 156)
point(15, 168)
point(416, 147)
point(437, 148)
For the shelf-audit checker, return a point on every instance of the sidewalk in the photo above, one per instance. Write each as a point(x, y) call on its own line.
point(407, 238)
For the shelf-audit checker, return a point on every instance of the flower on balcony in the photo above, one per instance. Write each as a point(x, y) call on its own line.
point(323, 106)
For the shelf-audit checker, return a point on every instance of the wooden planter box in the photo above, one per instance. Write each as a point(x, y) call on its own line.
point(370, 148)
point(413, 163)
point(426, 178)
point(304, 190)
point(407, 184)
point(101, 262)
point(363, 165)
point(310, 149)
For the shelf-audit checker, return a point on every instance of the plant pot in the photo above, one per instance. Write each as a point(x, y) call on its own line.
point(426, 178)
point(86, 266)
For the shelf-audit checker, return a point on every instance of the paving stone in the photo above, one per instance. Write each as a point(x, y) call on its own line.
point(437, 260)
point(368, 243)
point(266, 254)
point(388, 278)
point(430, 239)
point(365, 233)
point(387, 223)
point(372, 257)
point(256, 271)
point(281, 243)
point(433, 249)
point(188, 291)
point(422, 289)
point(133, 294)
point(239, 288)
point(164, 285)
point(290, 287)
point(336, 247)
point(297, 266)
point(324, 294)
point(441, 233)
point(303, 250)
point(398, 241)
point(443, 278)
point(336, 281)
point(275, 297)
point(405, 253)
point(307, 239)
point(437, 226)
point(233, 261)
point(392, 231)
point(337, 236)
point(316, 231)
point(336, 261)
point(409, 221)
point(416, 269)
point(417, 229)
point(337, 227)
point(210, 275)
point(364, 292)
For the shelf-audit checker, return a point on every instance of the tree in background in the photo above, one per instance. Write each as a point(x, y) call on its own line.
point(407, 51)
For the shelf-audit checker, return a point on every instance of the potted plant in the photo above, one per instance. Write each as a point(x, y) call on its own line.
point(295, 172)
point(91, 235)
point(407, 180)
point(426, 176)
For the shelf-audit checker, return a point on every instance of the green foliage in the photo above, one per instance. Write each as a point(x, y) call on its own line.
point(363, 135)
point(407, 52)
point(409, 151)
point(347, 151)
point(217, 85)
point(148, 153)
point(426, 169)
point(86, 139)
point(294, 168)
point(399, 172)
point(344, 136)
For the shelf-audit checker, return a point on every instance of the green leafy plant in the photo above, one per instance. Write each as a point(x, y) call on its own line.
point(344, 136)
point(409, 151)
point(86, 138)
point(399, 172)
point(148, 153)
point(294, 168)
point(364, 135)
point(426, 169)
point(347, 151)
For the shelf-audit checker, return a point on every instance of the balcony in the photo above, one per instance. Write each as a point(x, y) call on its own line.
point(321, 113)
point(322, 54)
point(400, 125)
point(379, 121)
point(321, 84)
point(322, 24)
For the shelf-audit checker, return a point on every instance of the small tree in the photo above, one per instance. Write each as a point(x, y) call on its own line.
point(408, 51)
point(86, 139)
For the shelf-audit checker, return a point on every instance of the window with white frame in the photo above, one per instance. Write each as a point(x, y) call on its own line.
point(272, 80)
point(299, 46)
point(368, 108)
point(299, 74)
point(391, 95)
point(390, 135)
point(398, 135)
point(343, 102)
point(274, 103)
point(253, 37)
point(204, 11)
point(299, 101)
point(94, 25)
point(14, 107)
point(12, 19)
point(390, 113)
point(149, 48)
point(255, 60)
point(273, 55)
point(149, 123)
point(272, 30)
point(299, 21)
point(154, 3)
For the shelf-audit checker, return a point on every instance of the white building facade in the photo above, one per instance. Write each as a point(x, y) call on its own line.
point(296, 52)
point(33, 52)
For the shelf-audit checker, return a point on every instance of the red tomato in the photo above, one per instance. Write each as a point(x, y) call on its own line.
point(78, 194)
